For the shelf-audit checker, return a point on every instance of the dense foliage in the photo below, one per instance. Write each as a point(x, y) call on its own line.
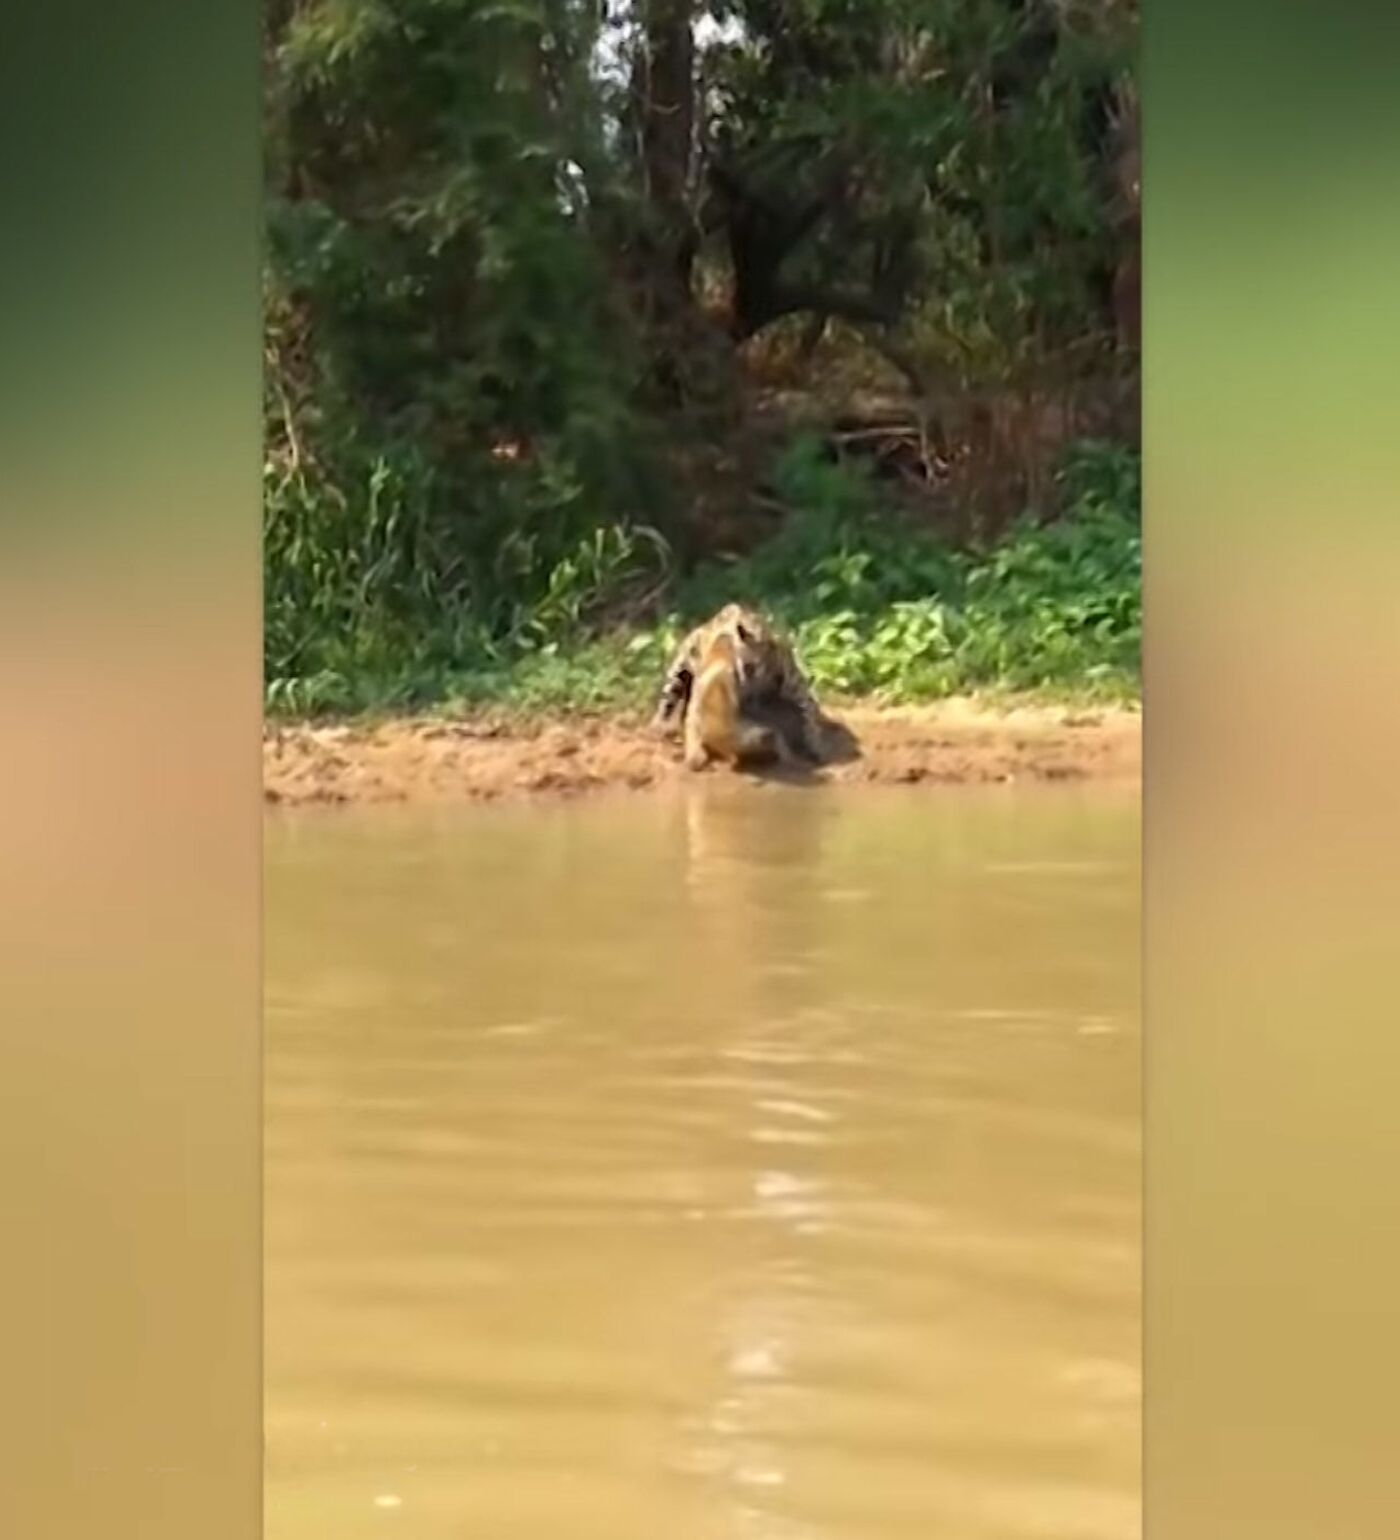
point(525, 257)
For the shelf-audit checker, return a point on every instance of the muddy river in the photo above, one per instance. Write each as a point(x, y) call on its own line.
point(733, 1163)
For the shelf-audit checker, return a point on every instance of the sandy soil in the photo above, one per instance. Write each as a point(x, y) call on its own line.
point(483, 757)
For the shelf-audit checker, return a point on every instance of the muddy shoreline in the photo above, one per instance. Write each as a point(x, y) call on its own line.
point(485, 757)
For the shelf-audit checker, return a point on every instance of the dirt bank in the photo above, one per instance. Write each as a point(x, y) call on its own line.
point(483, 757)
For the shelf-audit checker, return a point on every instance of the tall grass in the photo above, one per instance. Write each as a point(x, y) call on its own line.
point(370, 608)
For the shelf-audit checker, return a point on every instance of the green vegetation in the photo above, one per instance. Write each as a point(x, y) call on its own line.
point(876, 609)
point(576, 315)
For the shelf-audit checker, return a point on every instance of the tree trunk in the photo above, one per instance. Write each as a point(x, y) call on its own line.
point(666, 107)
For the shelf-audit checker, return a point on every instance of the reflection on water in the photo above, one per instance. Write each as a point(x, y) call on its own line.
point(759, 1163)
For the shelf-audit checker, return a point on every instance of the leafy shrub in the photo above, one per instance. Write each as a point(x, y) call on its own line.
point(877, 608)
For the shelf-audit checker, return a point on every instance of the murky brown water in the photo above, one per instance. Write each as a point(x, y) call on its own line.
point(759, 1164)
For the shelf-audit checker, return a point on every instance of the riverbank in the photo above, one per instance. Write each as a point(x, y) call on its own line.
point(487, 756)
